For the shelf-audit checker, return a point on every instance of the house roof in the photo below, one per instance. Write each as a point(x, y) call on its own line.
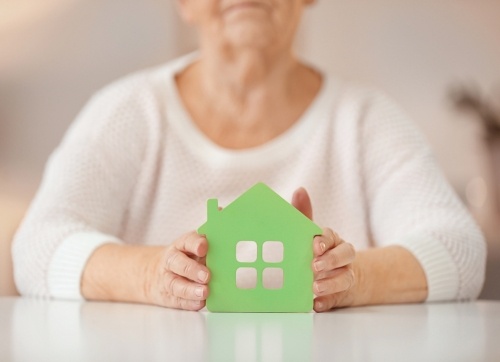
point(257, 205)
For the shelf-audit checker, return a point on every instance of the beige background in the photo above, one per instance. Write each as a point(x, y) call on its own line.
point(54, 54)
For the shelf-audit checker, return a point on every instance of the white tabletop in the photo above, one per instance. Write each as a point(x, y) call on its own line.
point(35, 330)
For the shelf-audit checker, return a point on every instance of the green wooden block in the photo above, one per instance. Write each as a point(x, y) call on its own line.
point(259, 220)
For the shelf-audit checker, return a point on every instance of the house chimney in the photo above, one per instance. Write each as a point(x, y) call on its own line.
point(212, 208)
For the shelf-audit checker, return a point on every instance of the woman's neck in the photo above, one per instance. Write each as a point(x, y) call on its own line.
point(233, 95)
point(243, 75)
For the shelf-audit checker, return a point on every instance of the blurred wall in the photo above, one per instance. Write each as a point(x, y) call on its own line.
point(54, 57)
point(55, 54)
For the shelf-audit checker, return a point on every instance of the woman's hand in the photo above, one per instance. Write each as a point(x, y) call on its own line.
point(334, 276)
point(178, 276)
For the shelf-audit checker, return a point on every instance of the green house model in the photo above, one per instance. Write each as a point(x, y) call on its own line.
point(259, 254)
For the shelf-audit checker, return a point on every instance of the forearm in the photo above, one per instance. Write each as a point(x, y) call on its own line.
point(117, 272)
point(388, 275)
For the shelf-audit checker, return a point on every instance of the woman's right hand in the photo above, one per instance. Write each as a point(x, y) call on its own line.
point(178, 276)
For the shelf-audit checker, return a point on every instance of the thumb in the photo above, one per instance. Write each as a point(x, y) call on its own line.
point(302, 202)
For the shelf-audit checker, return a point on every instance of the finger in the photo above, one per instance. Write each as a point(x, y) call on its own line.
point(329, 239)
point(179, 263)
point(340, 283)
point(180, 303)
point(192, 243)
point(202, 261)
point(329, 273)
point(302, 202)
point(183, 288)
point(338, 300)
point(335, 258)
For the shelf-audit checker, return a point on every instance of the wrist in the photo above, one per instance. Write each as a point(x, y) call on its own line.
point(388, 275)
point(119, 273)
point(93, 283)
point(150, 276)
point(362, 290)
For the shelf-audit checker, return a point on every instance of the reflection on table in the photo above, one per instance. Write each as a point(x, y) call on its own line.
point(36, 330)
point(260, 337)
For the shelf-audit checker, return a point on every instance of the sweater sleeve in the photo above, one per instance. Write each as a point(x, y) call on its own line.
point(411, 204)
point(82, 201)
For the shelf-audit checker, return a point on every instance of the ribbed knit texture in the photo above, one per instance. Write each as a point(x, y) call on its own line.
point(69, 260)
point(133, 168)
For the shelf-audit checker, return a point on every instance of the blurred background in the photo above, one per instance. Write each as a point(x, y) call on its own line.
point(439, 59)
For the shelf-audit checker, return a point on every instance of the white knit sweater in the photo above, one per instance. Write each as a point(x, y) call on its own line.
point(133, 168)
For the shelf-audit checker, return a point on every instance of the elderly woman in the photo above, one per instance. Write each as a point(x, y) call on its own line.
point(112, 218)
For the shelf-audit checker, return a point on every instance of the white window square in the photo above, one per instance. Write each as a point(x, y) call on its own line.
point(246, 251)
point(272, 278)
point(246, 278)
point(272, 251)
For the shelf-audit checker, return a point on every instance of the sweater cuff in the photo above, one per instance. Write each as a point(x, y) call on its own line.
point(438, 265)
point(68, 262)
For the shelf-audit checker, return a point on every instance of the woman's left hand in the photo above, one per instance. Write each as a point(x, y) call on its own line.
point(334, 275)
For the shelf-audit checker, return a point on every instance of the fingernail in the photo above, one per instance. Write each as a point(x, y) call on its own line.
point(202, 275)
point(318, 287)
point(322, 246)
point(319, 265)
point(319, 305)
point(198, 291)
